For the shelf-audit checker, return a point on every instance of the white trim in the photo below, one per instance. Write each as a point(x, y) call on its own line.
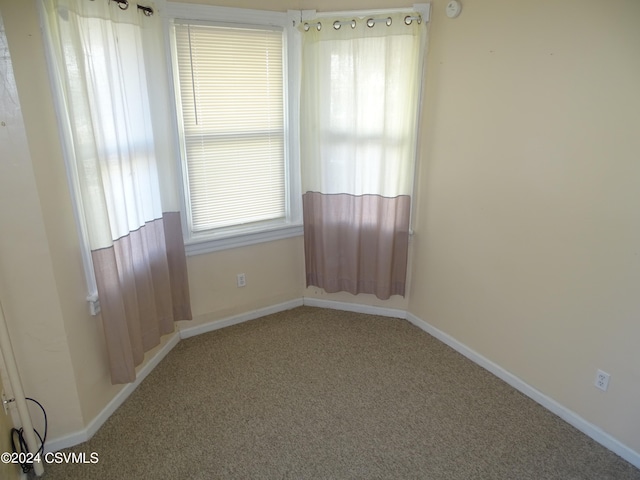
point(240, 318)
point(71, 169)
point(550, 404)
point(243, 16)
point(197, 247)
point(293, 67)
point(85, 434)
point(355, 307)
point(594, 432)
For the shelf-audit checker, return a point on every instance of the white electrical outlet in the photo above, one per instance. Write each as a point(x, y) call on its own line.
point(602, 380)
point(241, 280)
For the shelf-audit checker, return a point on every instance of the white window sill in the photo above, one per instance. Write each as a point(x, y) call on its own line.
point(197, 246)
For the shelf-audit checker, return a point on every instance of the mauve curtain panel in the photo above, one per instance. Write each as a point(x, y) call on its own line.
point(360, 94)
point(109, 69)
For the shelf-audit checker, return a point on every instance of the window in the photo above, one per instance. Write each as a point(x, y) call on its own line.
point(240, 171)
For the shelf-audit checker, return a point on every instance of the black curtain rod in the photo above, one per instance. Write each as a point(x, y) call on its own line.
point(124, 4)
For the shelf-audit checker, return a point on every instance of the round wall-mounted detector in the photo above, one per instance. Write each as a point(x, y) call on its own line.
point(453, 8)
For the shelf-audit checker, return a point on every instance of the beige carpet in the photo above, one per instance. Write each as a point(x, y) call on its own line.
point(321, 394)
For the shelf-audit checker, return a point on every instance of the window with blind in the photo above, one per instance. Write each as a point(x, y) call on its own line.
point(230, 86)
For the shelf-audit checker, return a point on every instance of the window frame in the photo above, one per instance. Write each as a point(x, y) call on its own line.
point(253, 233)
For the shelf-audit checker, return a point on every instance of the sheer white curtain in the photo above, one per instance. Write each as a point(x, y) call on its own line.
point(359, 98)
point(110, 73)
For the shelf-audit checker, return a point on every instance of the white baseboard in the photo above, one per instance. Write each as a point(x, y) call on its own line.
point(56, 444)
point(561, 411)
point(240, 318)
point(567, 415)
point(78, 437)
point(355, 307)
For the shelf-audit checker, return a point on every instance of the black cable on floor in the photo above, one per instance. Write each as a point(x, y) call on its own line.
point(22, 443)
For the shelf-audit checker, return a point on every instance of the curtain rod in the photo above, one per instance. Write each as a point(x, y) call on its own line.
point(124, 4)
point(370, 22)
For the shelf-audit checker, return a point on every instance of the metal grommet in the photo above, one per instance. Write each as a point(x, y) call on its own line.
point(371, 22)
point(317, 25)
point(123, 4)
point(408, 19)
point(388, 21)
point(337, 25)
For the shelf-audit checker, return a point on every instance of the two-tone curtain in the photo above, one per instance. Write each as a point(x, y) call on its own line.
point(360, 94)
point(109, 68)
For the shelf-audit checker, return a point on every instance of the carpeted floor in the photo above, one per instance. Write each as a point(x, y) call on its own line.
point(317, 394)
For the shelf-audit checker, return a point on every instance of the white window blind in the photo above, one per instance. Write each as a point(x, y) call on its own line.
point(231, 96)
